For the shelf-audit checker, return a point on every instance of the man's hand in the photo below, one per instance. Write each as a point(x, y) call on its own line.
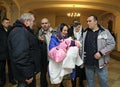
point(97, 55)
point(29, 80)
point(42, 38)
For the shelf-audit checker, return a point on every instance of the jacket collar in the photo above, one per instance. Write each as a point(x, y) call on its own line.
point(101, 28)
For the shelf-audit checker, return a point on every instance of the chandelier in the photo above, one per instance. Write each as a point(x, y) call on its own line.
point(74, 13)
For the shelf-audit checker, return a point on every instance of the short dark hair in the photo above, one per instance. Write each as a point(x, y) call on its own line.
point(95, 17)
point(4, 19)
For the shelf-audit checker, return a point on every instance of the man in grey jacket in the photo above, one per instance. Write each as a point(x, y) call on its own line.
point(97, 45)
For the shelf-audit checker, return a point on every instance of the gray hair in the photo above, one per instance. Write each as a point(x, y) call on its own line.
point(26, 16)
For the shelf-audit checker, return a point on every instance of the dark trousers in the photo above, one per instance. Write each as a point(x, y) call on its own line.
point(10, 72)
point(43, 78)
point(23, 84)
point(2, 72)
point(80, 73)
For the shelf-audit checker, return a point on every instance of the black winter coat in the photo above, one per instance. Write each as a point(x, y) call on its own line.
point(24, 51)
point(3, 43)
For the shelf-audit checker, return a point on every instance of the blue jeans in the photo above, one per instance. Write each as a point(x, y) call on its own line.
point(101, 73)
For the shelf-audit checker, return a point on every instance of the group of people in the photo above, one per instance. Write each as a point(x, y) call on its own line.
point(29, 53)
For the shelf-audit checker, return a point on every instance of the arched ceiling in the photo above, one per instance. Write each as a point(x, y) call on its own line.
point(61, 7)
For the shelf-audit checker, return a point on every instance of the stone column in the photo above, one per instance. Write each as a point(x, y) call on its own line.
point(117, 29)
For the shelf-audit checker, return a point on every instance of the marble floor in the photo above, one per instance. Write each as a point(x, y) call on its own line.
point(113, 72)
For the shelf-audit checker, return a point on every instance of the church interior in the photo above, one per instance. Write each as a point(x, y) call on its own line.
point(59, 11)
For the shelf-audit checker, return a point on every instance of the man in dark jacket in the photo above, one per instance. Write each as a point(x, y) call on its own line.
point(24, 51)
point(44, 36)
point(4, 53)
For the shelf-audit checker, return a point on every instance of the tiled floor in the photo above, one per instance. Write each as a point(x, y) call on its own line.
point(113, 71)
